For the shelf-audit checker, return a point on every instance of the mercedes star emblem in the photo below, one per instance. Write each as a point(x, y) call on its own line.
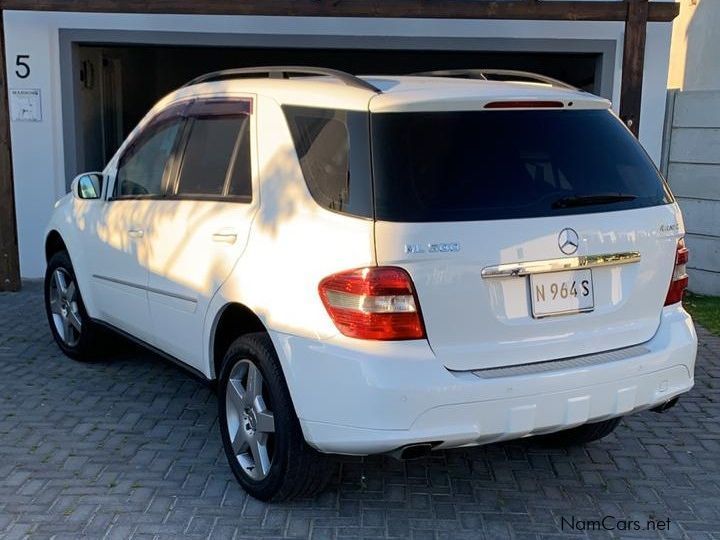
point(568, 241)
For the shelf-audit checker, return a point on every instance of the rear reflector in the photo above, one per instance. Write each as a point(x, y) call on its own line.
point(524, 105)
point(680, 278)
point(373, 303)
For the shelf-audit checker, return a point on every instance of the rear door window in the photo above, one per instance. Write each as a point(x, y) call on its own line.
point(485, 165)
point(215, 146)
point(216, 160)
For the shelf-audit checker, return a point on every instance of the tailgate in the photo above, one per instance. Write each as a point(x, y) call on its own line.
point(479, 322)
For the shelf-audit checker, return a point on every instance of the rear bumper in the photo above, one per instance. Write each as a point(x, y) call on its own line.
point(356, 397)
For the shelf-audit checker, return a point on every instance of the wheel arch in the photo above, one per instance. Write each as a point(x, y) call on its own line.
point(57, 241)
point(232, 321)
point(53, 244)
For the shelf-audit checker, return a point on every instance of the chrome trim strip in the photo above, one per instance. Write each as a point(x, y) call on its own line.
point(563, 313)
point(144, 288)
point(558, 265)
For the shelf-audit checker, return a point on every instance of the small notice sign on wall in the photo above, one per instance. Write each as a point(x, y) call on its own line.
point(25, 105)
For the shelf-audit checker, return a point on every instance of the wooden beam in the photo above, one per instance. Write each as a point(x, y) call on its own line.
point(562, 10)
point(9, 260)
point(633, 61)
point(663, 11)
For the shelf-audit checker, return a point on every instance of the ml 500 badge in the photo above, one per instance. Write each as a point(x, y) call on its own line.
point(451, 247)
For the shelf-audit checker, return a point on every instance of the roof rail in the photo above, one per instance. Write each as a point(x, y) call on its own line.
point(493, 74)
point(283, 72)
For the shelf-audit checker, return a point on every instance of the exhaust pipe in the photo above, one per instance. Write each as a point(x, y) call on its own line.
point(664, 407)
point(413, 451)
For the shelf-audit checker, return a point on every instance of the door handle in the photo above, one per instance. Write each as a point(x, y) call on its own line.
point(136, 233)
point(225, 236)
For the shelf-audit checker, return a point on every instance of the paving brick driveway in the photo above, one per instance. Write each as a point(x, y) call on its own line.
point(129, 447)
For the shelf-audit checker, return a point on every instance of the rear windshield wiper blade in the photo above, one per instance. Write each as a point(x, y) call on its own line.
point(590, 200)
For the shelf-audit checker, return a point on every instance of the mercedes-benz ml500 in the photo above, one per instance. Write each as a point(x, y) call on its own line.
point(394, 264)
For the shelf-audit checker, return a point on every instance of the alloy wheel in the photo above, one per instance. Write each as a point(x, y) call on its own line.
point(250, 424)
point(64, 307)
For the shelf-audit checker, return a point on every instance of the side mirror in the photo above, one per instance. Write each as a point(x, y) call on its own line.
point(88, 186)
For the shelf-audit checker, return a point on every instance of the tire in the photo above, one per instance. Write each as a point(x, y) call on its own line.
point(71, 328)
point(287, 468)
point(580, 435)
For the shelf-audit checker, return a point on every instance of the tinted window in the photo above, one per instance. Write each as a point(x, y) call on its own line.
point(216, 161)
point(240, 181)
point(456, 166)
point(332, 147)
point(142, 167)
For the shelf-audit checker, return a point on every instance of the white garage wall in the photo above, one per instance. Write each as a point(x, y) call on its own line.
point(38, 150)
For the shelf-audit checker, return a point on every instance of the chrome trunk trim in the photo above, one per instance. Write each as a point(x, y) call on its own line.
point(521, 269)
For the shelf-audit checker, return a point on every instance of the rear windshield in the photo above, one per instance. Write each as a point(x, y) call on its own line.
point(483, 165)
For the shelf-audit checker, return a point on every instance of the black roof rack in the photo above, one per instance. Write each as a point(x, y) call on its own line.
point(496, 74)
point(284, 72)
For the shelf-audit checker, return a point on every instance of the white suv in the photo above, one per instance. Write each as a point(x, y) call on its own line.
point(391, 264)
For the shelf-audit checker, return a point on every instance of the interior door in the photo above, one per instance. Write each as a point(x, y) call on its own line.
point(116, 232)
point(199, 230)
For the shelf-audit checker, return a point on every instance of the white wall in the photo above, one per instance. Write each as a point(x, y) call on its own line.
point(38, 151)
point(695, 58)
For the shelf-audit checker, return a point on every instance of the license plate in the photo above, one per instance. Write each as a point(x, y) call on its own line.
point(561, 293)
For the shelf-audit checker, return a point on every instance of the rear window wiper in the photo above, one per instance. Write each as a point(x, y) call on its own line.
point(590, 200)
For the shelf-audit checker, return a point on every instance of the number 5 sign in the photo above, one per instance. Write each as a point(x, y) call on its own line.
point(22, 68)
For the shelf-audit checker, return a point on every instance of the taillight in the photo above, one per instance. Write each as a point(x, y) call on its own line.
point(373, 303)
point(680, 278)
point(524, 105)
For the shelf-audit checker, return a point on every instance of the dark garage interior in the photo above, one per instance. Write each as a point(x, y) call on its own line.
point(117, 85)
